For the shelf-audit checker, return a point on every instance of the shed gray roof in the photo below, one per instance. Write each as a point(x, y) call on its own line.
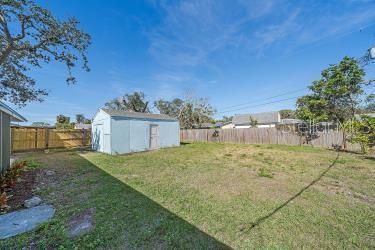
point(113, 112)
point(15, 116)
point(262, 118)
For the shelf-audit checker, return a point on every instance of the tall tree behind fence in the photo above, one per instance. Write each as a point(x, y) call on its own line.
point(325, 139)
point(25, 139)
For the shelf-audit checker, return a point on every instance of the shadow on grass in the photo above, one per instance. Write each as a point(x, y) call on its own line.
point(124, 218)
point(371, 158)
point(260, 220)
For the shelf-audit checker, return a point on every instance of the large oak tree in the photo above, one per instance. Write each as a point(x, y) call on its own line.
point(29, 37)
point(134, 102)
point(191, 113)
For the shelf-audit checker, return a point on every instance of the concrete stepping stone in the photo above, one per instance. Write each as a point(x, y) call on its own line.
point(25, 220)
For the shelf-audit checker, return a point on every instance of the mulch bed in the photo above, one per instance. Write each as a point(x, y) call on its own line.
point(22, 191)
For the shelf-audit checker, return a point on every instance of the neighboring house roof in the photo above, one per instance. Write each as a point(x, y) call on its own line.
point(113, 112)
point(261, 118)
point(206, 125)
point(221, 124)
point(15, 116)
point(358, 116)
point(291, 121)
point(228, 125)
point(82, 126)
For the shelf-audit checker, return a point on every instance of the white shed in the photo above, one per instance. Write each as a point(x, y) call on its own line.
point(120, 132)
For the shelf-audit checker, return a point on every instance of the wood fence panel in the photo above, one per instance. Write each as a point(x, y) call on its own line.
point(327, 139)
point(25, 139)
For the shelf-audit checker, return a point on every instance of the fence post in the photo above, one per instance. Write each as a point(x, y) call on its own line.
point(83, 137)
point(46, 138)
point(36, 139)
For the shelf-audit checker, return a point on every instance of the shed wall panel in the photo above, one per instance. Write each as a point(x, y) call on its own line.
point(133, 135)
point(139, 135)
point(169, 134)
point(120, 136)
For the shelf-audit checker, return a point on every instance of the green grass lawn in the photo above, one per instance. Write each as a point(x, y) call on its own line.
point(210, 195)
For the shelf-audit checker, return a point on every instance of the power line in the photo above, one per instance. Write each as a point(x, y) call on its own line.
point(263, 99)
point(282, 100)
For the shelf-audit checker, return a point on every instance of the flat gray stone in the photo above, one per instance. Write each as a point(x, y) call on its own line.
point(50, 172)
point(25, 220)
point(34, 201)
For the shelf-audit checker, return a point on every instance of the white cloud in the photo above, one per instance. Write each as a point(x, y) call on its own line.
point(275, 32)
point(191, 31)
point(191, 34)
point(331, 26)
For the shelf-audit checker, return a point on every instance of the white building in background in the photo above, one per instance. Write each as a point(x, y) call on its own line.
point(263, 120)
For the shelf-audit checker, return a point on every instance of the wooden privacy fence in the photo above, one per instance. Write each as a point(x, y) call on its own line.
point(25, 139)
point(326, 139)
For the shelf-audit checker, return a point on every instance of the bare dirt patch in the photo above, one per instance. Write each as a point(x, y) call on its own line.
point(81, 222)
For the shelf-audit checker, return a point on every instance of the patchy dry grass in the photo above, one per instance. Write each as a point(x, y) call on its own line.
point(208, 195)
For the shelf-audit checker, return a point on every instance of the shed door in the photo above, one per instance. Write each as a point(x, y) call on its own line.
point(154, 137)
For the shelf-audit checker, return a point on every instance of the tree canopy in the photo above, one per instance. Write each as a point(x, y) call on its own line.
point(195, 112)
point(287, 114)
point(362, 131)
point(192, 112)
point(80, 118)
point(225, 119)
point(253, 122)
point(336, 96)
point(171, 108)
point(370, 103)
point(62, 119)
point(134, 102)
point(31, 36)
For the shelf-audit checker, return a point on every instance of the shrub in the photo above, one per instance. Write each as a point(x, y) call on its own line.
point(362, 131)
point(8, 179)
point(3, 200)
point(32, 164)
point(14, 172)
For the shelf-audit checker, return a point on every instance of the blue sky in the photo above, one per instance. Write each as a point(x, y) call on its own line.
point(232, 52)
